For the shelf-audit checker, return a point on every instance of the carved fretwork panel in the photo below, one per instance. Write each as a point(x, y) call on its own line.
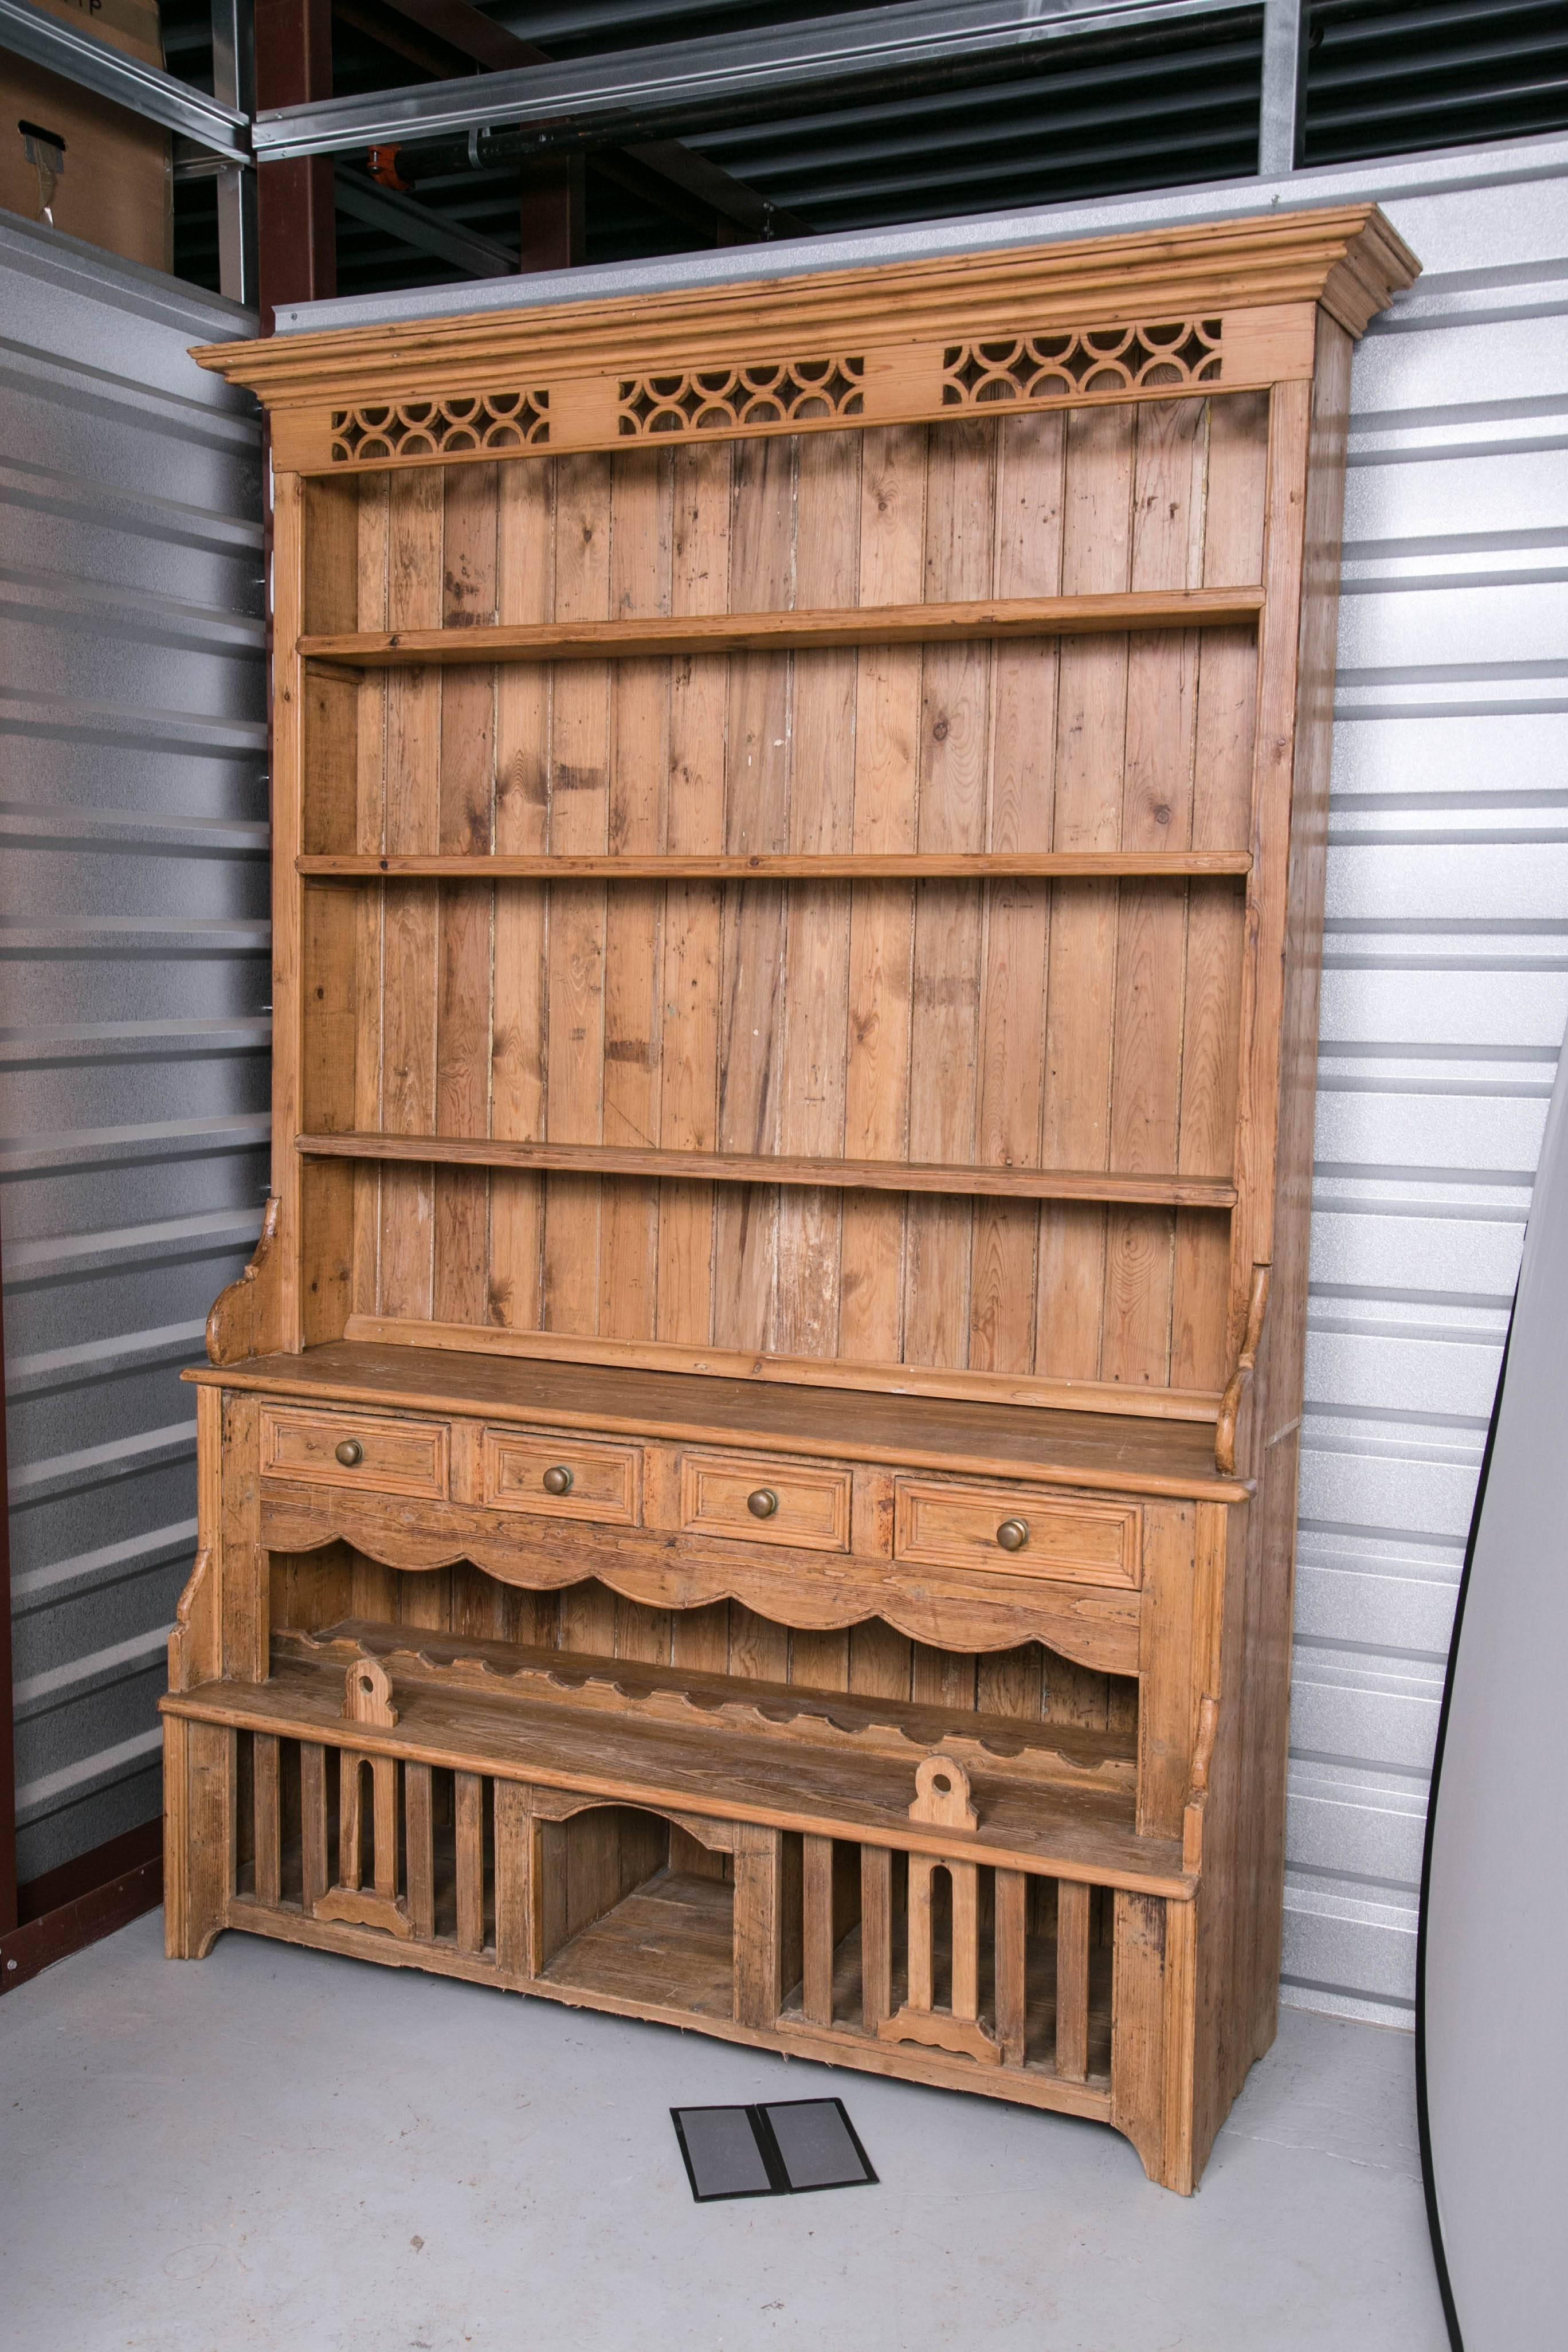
point(1066, 363)
point(460, 424)
point(732, 399)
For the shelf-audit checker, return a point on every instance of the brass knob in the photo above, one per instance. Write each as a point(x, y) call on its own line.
point(1013, 1534)
point(351, 1452)
point(557, 1481)
point(762, 1504)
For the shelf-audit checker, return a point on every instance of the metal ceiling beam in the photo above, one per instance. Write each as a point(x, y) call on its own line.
point(1282, 113)
point(83, 58)
point(462, 27)
point(727, 77)
point(415, 225)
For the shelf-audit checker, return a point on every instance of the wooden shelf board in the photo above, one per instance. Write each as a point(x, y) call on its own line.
point(655, 636)
point(1051, 1750)
point(806, 1371)
point(780, 1168)
point(1085, 1834)
point(674, 1931)
point(1063, 865)
point(1080, 1448)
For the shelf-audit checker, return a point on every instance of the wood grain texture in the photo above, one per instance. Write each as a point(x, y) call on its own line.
point(832, 620)
point(1346, 256)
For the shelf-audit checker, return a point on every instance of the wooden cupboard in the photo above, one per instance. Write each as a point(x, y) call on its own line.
point(752, 1481)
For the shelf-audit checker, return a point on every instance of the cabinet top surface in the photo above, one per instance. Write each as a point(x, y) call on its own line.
point(1346, 256)
point(1079, 1449)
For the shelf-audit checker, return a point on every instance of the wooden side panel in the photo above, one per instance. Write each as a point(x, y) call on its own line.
point(1138, 2038)
point(1277, 1417)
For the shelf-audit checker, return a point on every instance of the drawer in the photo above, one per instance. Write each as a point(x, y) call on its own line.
point(562, 1477)
point(940, 1525)
point(765, 1500)
point(344, 1449)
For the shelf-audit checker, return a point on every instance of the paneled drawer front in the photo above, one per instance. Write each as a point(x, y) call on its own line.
point(562, 1477)
point(1018, 1531)
point(342, 1449)
point(765, 1500)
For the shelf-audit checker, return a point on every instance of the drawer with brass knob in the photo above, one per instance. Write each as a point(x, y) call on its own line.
point(768, 1500)
point(563, 1476)
point(383, 1455)
point(941, 1523)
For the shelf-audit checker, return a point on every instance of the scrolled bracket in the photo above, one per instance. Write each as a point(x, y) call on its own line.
point(240, 1323)
point(1198, 1785)
point(1240, 1379)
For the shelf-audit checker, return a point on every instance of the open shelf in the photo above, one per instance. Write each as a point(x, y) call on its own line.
point(777, 1168)
point(930, 866)
point(1090, 1435)
point(1050, 1798)
point(648, 637)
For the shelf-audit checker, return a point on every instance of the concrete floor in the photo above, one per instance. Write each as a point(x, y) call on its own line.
point(279, 2149)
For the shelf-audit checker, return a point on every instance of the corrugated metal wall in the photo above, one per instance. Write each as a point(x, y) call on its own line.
point(1446, 981)
point(1444, 1005)
point(133, 983)
point(1444, 1000)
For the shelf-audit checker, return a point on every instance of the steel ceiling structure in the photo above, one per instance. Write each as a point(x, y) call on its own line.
point(822, 120)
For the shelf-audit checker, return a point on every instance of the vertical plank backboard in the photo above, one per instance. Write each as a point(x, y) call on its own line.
point(1091, 726)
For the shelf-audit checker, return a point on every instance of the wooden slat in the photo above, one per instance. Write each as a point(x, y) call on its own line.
point(313, 1821)
point(694, 800)
point(410, 945)
point(350, 1816)
point(876, 1936)
point(1222, 818)
point(759, 1854)
point(950, 622)
point(950, 787)
point(1072, 1980)
point(1157, 786)
point(514, 1879)
point(964, 1880)
point(384, 1790)
point(266, 1755)
point(525, 589)
point(816, 1885)
point(1090, 748)
point(826, 865)
point(590, 1160)
point(579, 824)
point(420, 1867)
point(921, 1924)
point(1021, 794)
point(1011, 1949)
point(370, 914)
point(640, 553)
point(469, 1825)
point(751, 979)
point(464, 1025)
